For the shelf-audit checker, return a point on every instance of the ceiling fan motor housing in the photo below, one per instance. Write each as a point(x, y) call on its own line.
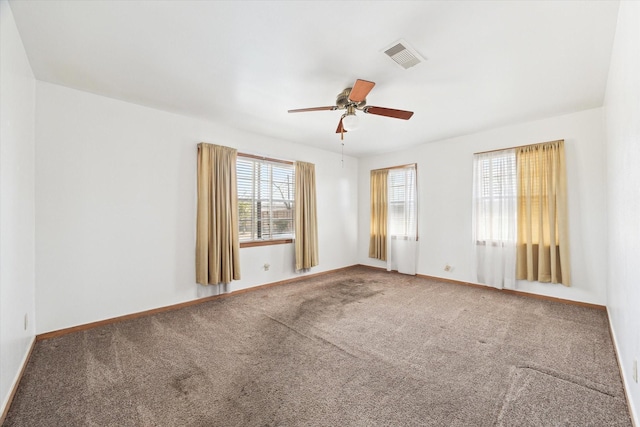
point(342, 100)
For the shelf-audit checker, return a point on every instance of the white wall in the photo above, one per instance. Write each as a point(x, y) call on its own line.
point(17, 217)
point(445, 200)
point(115, 196)
point(622, 112)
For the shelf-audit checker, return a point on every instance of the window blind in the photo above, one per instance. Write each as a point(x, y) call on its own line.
point(265, 199)
point(496, 193)
point(402, 210)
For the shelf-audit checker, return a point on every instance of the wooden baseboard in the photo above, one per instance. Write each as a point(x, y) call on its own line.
point(506, 291)
point(86, 326)
point(16, 383)
point(520, 293)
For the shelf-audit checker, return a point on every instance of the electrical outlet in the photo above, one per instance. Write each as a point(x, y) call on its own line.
point(635, 370)
point(266, 266)
point(26, 321)
point(448, 268)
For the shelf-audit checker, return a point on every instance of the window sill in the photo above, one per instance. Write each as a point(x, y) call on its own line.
point(265, 243)
point(495, 243)
point(402, 237)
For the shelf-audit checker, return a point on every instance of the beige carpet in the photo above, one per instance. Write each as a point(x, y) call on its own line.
point(532, 389)
point(353, 348)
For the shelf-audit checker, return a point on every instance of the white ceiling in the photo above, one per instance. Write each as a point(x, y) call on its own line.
point(489, 63)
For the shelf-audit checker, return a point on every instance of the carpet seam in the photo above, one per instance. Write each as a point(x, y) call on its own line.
point(313, 338)
point(591, 385)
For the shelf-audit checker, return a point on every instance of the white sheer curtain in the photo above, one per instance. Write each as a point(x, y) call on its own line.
point(494, 217)
point(402, 235)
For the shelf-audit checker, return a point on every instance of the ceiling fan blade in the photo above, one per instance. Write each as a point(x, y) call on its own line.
point(389, 112)
point(302, 110)
point(341, 128)
point(360, 90)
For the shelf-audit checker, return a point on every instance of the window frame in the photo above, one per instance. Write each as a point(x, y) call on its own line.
point(270, 241)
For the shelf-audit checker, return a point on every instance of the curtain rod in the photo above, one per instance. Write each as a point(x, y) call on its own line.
point(269, 159)
point(254, 156)
point(396, 167)
point(518, 146)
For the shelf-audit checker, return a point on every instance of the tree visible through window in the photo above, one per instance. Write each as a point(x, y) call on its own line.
point(265, 199)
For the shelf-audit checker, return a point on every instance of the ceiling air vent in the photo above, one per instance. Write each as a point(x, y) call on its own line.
point(403, 55)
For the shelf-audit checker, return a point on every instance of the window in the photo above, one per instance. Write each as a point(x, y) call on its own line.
point(402, 202)
point(265, 200)
point(495, 196)
point(394, 213)
point(520, 215)
point(494, 216)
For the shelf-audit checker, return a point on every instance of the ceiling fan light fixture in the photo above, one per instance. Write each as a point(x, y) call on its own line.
point(350, 122)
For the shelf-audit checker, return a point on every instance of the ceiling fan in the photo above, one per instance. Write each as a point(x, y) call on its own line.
point(352, 99)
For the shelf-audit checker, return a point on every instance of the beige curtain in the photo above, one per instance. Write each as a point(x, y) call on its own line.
point(306, 216)
point(543, 237)
point(217, 248)
point(378, 223)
